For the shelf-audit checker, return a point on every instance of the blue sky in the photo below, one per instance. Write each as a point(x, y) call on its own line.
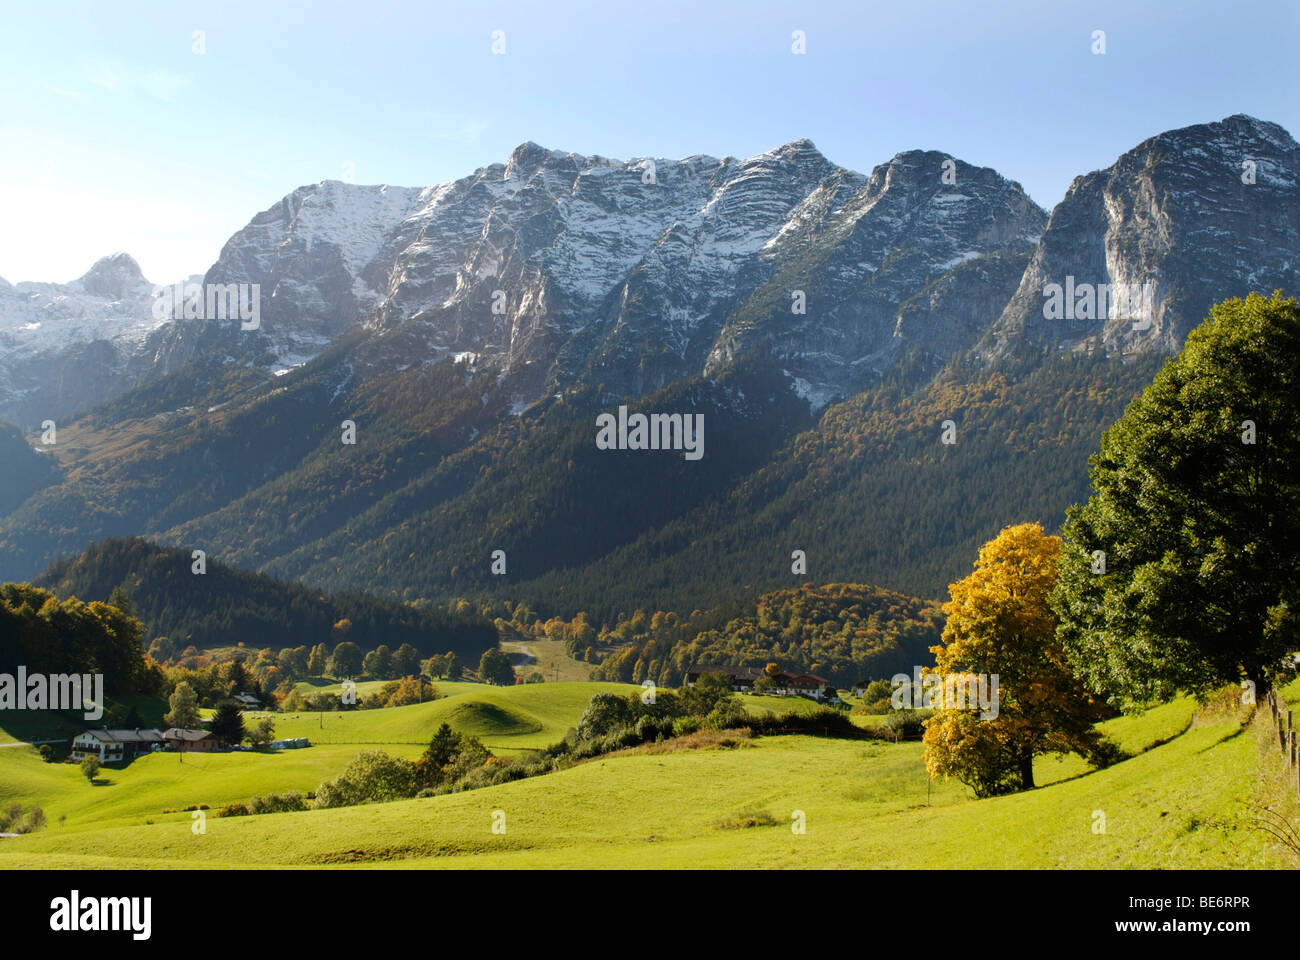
point(116, 135)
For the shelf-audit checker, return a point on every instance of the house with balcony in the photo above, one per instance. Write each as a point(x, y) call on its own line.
point(116, 746)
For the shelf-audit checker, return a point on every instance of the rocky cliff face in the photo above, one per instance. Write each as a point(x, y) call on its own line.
point(66, 347)
point(319, 259)
point(911, 261)
point(558, 269)
point(1194, 214)
point(561, 268)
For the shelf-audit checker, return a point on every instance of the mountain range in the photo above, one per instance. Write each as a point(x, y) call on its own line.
point(825, 322)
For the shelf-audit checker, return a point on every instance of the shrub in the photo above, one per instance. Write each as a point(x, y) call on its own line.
point(277, 803)
point(605, 712)
point(727, 713)
point(685, 726)
point(745, 819)
point(649, 729)
point(12, 819)
point(372, 775)
point(234, 810)
point(472, 755)
point(905, 724)
point(90, 767)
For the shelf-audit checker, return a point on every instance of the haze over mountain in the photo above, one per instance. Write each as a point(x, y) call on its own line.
point(472, 331)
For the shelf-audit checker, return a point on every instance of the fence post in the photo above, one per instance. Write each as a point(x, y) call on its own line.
point(1291, 757)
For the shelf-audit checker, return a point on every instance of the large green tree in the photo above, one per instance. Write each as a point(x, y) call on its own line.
point(1181, 571)
point(346, 660)
point(494, 667)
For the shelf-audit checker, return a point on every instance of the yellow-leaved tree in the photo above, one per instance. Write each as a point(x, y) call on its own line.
point(1000, 625)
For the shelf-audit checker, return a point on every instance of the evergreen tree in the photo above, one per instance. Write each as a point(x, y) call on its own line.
point(227, 723)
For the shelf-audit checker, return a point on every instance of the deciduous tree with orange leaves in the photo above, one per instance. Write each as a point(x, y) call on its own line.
point(1000, 623)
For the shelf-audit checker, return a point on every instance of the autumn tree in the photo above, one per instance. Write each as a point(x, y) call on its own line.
point(318, 661)
point(408, 690)
point(232, 677)
point(1182, 571)
point(1001, 625)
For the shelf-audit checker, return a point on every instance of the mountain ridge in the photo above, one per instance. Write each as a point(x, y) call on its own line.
point(565, 268)
point(923, 291)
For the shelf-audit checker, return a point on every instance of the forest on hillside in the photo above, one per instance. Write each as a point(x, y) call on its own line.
point(845, 632)
point(227, 605)
point(870, 493)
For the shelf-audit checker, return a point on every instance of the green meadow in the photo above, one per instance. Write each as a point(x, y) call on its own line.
point(508, 720)
point(1182, 800)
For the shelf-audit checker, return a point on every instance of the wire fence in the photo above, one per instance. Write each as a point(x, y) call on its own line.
point(1284, 724)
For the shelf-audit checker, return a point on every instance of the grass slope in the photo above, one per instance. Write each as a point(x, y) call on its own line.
point(1178, 804)
point(509, 719)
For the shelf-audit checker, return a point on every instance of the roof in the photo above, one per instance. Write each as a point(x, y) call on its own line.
point(810, 676)
point(125, 736)
point(736, 673)
point(175, 733)
point(245, 698)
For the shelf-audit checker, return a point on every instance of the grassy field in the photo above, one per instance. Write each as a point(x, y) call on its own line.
point(1182, 801)
point(549, 656)
point(144, 788)
point(507, 719)
point(510, 720)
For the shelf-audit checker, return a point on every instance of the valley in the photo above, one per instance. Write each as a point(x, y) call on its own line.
point(460, 618)
point(1177, 802)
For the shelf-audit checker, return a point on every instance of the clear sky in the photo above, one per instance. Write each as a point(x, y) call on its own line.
point(116, 135)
